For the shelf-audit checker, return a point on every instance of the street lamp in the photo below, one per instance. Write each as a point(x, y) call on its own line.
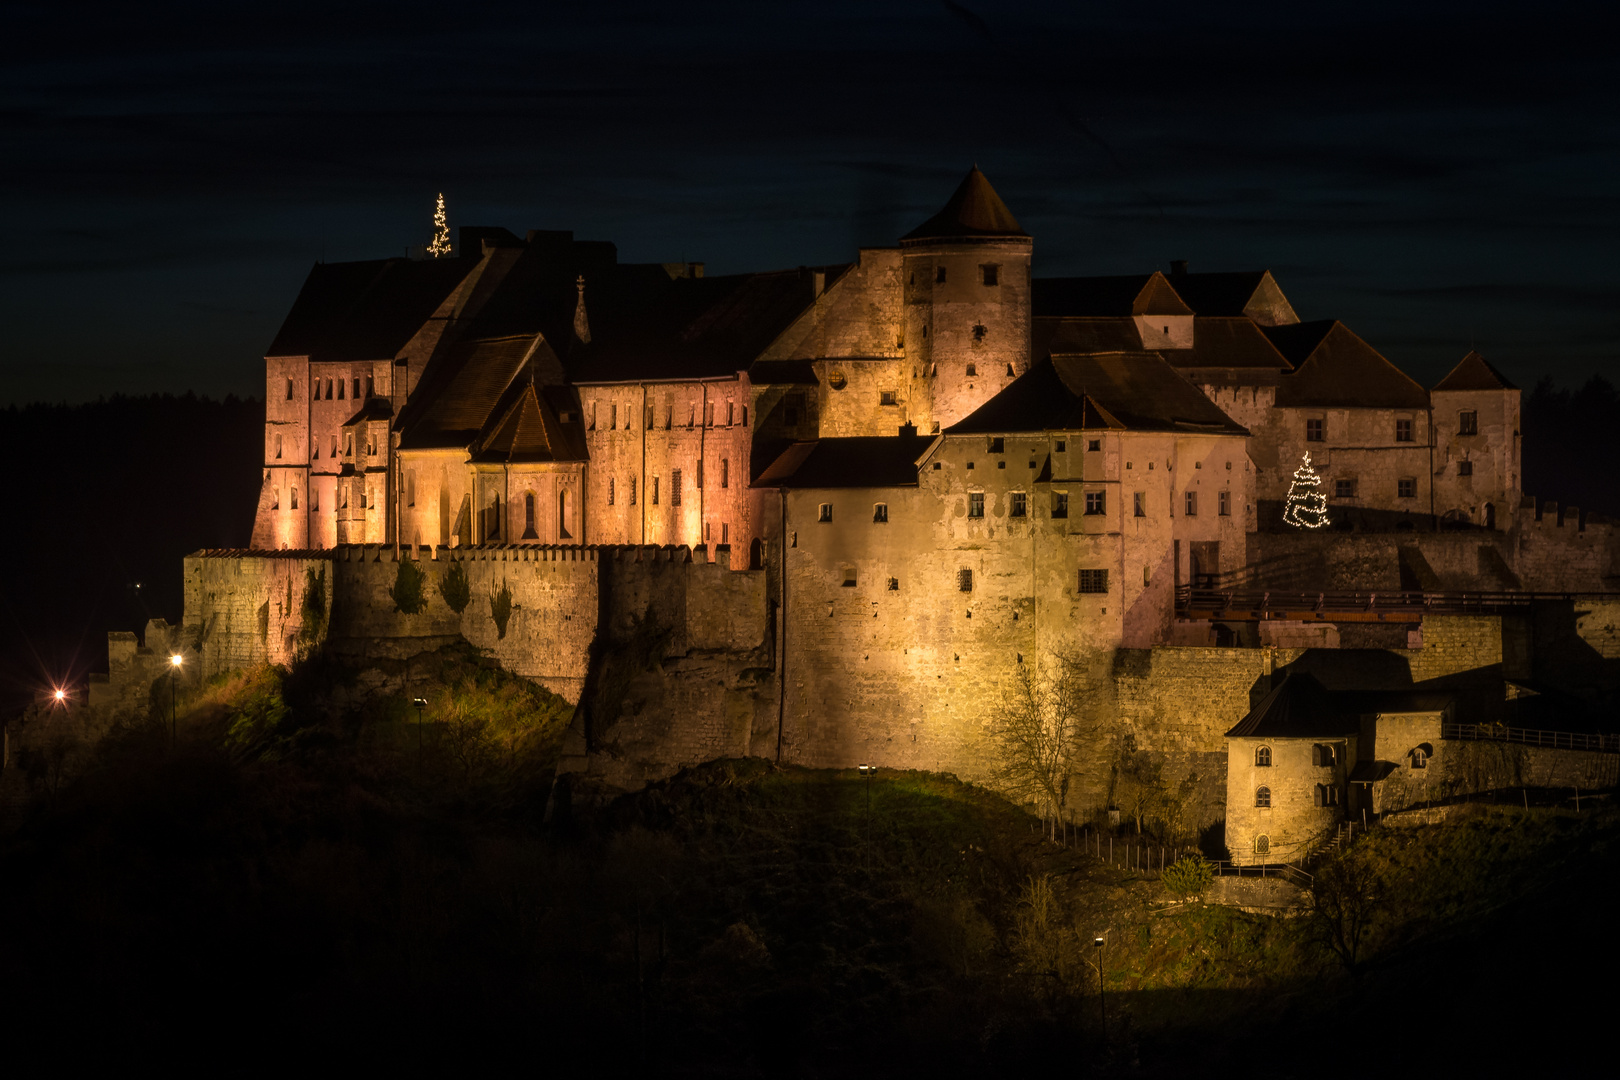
point(174, 692)
point(420, 703)
point(61, 697)
point(1102, 1000)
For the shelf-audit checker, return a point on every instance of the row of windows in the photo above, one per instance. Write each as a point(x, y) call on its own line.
point(1096, 502)
point(1091, 581)
point(1326, 795)
point(1405, 488)
point(338, 384)
point(1467, 424)
point(732, 416)
point(1322, 754)
point(989, 274)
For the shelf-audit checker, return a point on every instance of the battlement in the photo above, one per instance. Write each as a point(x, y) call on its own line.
point(717, 555)
point(1549, 516)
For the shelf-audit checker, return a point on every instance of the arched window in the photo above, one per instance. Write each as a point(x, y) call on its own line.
point(528, 517)
point(1262, 797)
point(1420, 757)
point(1321, 795)
point(562, 516)
point(1262, 844)
point(293, 494)
point(1262, 755)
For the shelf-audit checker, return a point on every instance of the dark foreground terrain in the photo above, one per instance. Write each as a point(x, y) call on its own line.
point(300, 879)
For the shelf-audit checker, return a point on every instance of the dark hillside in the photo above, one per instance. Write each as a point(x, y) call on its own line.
point(108, 496)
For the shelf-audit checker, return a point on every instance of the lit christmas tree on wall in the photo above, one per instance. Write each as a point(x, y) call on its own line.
point(441, 231)
point(1307, 506)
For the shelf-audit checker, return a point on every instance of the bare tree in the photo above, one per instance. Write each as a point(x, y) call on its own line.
point(1346, 897)
point(1035, 732)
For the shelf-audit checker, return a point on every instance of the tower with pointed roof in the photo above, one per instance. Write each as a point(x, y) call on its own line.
point(1476, 462)
point(966, 279)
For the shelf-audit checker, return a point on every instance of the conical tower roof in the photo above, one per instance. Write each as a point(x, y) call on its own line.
point(974, 212)
point(1474, 372)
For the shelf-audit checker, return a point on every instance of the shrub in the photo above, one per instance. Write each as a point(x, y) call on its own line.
point(500, 609)
point(1189, 876)
point(313, 607)
point(455, 588)
point(407, 590)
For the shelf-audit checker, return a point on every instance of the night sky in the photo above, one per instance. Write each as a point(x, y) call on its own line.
point(1435, 178)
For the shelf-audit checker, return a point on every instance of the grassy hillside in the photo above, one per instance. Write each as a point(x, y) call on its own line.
point(295, 869)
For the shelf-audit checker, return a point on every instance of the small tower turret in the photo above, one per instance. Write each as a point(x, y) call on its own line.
point(967, 304)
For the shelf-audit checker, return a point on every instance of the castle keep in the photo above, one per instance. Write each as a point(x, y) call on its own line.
point(835, 514)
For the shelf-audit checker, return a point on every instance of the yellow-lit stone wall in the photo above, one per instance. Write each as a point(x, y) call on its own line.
point(1491, 451)
point(1294, 820)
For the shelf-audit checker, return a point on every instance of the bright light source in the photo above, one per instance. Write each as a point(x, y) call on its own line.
point(419, 702)
point(61, 695)
point(176, 659)
point(1098, 943)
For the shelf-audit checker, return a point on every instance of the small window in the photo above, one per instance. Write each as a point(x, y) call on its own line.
point(1139, 504)
point(700, 474)
point(1262, 796)
point(316, 383)
point(887, 397)
point(591, 425)
point(1468, 422)
point(315, 498)
point(1223, 503)
point(824, 513)
point(340, 384)
point(646, 420)
point(1010, 371)
point(791, 408)
point(972, 370)
point(371, 385)
point(278, 446)
point(998, 445)
point(611, 490)
point(1262, 843)
point(894, 584)
point(655, 491)
point(1062, 446)
point(731, 414)
point(1094, 581)
point(328, 389)
point(675, 488)
point(691, 416)
point(528, 517)
point(708, 417)
point(289, 388)
point(1096, 502)
point(1403, 431)
point(1262, 756)
point(1330, 793)
point(725, 472)
point(1344, 489)
point(1019, 506)
point(334, 446)
point(939, 275)
point(837, 381)
point(410, 487)
point(1060, 504)
point(849, 577)
point(1420, 756)
point(613, 418)
point(964, 580)
point(292, 494)
point(357, 388)
point(1093, 445)
point(1321, 795)
point(1313, 431)
point(632, 491)
point(1465, 468)
point(669, 417)
point(975, 504)
point(990, 274)
point(275, 498)
point(880, 514)
point(1323, 754)
point(1190, 500)
point(1406, 487)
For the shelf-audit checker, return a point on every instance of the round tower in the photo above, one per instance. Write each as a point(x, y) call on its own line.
point(965, 272)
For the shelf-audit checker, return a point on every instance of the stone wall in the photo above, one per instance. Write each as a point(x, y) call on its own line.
point(245, 608)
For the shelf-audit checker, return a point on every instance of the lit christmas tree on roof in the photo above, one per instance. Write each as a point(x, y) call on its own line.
point(441, 231)
point(1307, 506)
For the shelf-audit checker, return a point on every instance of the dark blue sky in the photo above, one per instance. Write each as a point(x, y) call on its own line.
point(1434, 177)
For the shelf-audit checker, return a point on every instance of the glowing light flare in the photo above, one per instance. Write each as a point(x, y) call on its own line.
point(177, 659)
point(60, 695)
point(1307, 506)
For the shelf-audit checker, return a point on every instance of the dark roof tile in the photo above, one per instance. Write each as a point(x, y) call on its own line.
point(974, 211)
point(1118, 296)
point(860, 461)
point(364, 311)
point(1474, 372)
point(1335, 368)
point(459, 389)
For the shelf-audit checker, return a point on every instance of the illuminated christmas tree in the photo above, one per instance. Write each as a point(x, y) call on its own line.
point(1307, 506)
point(441, 231)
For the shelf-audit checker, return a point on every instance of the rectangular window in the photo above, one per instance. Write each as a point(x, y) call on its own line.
point(357, 388)
point(289, 389)
point(1060, 504)
point(591, 426)
point(975, 504)
point(1093, 445)
point(990, 274)
point(887, 397)
point(849, 577)
point(1344, 489)
point(317, 385)
point(1096, 502)
point(1313, 431)
point(371, 385)
point(1062, 446)
point(1191, 502)
point(632, 491)
point(725, 472)
point(328, 389)
point(647, 421)
point(1468, 423)
point(708, 417)
point(1020, 505)
point(348, 446)
point(1403, 431)
point(293, 495)
point(972, 370)
point(1406, 487)
point(410, 487)
point(700, 474)
point(894, 584)
point(340, 389)
point(725, 532)
point(1139, 504)
point(611, 491)
point(669, 417)
point(275, 498)
point(334, 446)
point(964, 580)
point(675, 488)
point(655, 491)
point(791, 409)
point(1094, 581)
point(1465, 468)
point(314, 498)
point(998, 446)
point(1223, 504)
point(691, 417)
point(731, 414)
point(824, 512)
point(880, 514)
point(939, 275)
point(613, 418)
point(278, 446)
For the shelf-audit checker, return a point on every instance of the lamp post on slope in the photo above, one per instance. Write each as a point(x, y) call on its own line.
point(174, 692)
point(420, 703)
point(1102, 999)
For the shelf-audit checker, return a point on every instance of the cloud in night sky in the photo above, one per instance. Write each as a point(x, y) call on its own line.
point(1433, 179)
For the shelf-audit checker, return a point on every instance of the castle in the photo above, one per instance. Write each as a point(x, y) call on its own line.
point(859, 501)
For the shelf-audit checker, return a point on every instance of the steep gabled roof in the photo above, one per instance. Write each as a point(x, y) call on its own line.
point(373, 408)
point(1228, 344)
point(858, 461)
point(709, 327)
point(1335, 368)
point(1474, 372)
point(525, 427)
point(1252, 294)
point(1130, 391)
point(459, 389)
point(975, 211)
point(366, 310)
point(1085, 334)
point(1297, 707)
point(1117, 296)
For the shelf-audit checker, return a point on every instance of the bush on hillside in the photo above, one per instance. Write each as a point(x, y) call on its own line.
point(1189, 876)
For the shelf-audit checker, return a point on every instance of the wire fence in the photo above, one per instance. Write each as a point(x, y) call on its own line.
point(1560, 740)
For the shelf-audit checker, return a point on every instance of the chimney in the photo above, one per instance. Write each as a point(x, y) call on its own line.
point(1178, 267)
point(908, 428)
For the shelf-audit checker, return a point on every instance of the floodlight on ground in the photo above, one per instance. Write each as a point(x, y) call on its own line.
point(177, 659)
point(61, 695)
point(419, 702)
